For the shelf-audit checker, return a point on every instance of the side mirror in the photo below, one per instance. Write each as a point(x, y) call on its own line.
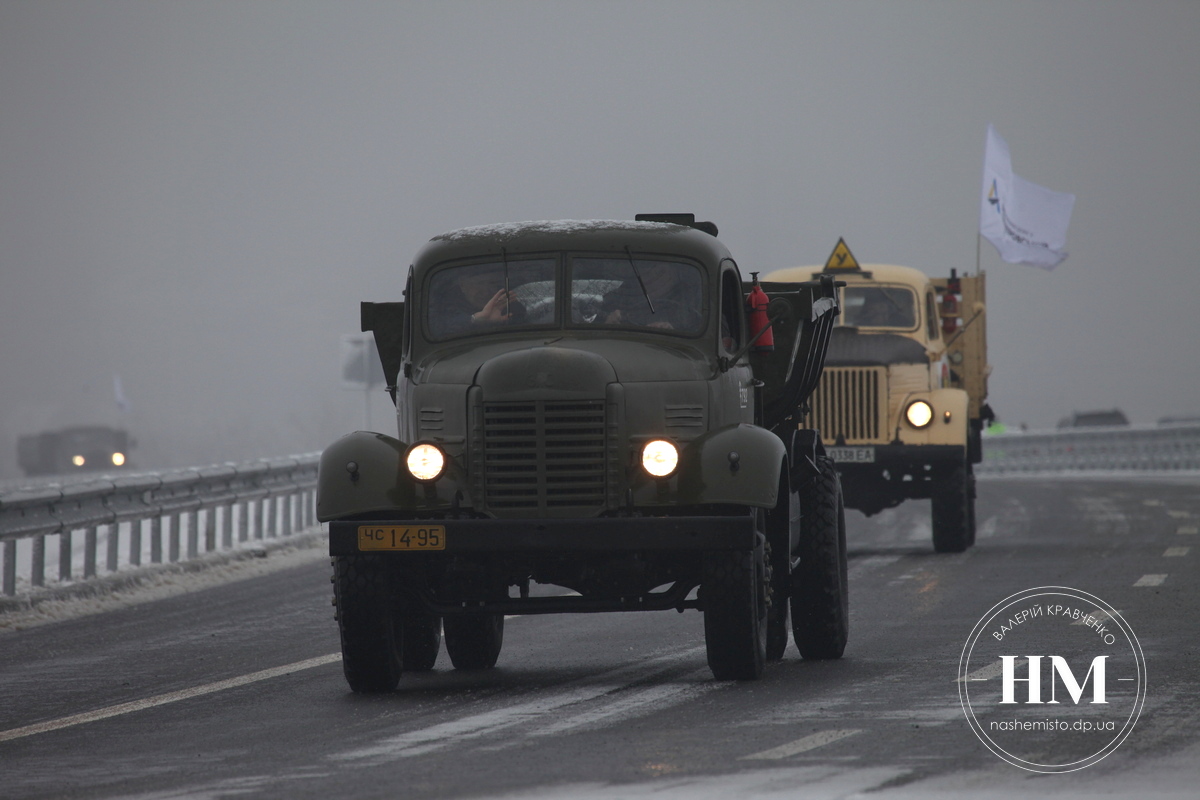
point(386, 321)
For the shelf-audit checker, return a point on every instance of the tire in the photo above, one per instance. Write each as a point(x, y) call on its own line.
point(473, 641)
point(953, 510)
point(421, 642)
point(735, 591)
point(368, 624)
point(779, 523)
point(820, 587)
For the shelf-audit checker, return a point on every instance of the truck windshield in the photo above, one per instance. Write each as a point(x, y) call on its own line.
point(470, 298)
point(879, 307)
point(637, 293)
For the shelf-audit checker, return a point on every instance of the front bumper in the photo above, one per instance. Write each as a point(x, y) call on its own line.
point(608, 535)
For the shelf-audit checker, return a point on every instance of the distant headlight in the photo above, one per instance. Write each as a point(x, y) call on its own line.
point(425, 462)
point(919, 414)
point(118, 459)
point(659, 458)
point(78, 461)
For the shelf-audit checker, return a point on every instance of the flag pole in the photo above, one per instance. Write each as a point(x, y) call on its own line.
point(978, 246)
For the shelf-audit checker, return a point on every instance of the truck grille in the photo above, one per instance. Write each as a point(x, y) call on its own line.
point(851, 402)
point(542, 454)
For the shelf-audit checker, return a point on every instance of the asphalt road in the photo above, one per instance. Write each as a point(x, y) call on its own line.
point(237, 691)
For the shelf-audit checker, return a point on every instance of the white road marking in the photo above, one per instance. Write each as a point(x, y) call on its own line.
point(1176, 551)
point(636, 703)
point(1150, 580)
point(1188, 530)
point(170, 697)
point(984, 673)
point(1179, 514)
point(474, 726)
point(1152, 502)
point(811, 742)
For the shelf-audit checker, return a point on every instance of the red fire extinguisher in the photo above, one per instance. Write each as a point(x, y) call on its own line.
point(756, 303)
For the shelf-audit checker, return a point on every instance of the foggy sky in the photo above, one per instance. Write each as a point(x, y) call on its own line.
point(196, 196)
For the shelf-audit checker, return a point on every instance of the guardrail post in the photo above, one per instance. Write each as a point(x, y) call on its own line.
point(172, 523)
point(193, 533)
point(210, 529)
point(227, 527)
point(89, 552)
point(64, 554)
point(114, 544)
point(243, 521)
point(38, 567)
point(260, 518)
point(269, 526)
point(288, 517)
point(10, 567)
point(135, 543)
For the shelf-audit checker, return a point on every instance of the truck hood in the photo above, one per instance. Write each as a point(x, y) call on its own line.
point(563, 361)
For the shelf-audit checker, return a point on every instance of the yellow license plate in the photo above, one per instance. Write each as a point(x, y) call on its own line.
point(401, 537)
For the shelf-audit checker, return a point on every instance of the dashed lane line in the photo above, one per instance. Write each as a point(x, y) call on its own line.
point(811, 742)
point(1187, 530)
point(1150, 580)
point(992, 670)
point(164, 699)
point(1172, 552)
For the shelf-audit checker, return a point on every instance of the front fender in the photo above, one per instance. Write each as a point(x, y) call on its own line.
point(378, 480)
point(943, 429)
point(708, 474)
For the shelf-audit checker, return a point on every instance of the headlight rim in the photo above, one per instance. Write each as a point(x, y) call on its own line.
point(674, 465)
point(908, 411)
point(445, 460)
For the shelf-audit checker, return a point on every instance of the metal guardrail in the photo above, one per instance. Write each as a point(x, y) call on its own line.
point(1158, 448)
point(126, 520)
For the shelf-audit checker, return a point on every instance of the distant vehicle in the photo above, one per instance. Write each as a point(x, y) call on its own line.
point(901, 402)
point(1094, 419)
point(80, 448)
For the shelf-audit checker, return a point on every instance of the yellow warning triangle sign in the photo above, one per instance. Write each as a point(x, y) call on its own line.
point(841, 257)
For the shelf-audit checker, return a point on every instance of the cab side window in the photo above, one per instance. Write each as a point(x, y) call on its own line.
point(932, 322)
point(732, 320)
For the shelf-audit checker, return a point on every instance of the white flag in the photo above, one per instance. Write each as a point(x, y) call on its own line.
point(1025, 222)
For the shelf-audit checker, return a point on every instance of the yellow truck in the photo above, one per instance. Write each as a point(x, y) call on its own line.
point(901, 404)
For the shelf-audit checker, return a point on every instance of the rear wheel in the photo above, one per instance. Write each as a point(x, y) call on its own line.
point(473, 641)
point(735, 613)
point(422, 641)
point(820, 589)
point(953, 510)
point(368, 624)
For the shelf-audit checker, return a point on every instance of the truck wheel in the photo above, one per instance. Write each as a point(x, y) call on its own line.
point(422, 641)
point(473, 641)
point(820, 589)
point(368, 623)
point(779, 539)
point(735, 613)
point(953, 510)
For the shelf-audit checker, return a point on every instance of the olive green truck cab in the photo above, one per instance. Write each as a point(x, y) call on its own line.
point(901, 404)
point(586, 422)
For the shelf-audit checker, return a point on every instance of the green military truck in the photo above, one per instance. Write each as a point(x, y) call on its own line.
point(587, 422)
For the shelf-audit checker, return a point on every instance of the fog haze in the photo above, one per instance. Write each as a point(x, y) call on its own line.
point(195, 196)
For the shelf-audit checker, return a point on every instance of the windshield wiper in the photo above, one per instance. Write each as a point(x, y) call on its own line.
point(641, 283)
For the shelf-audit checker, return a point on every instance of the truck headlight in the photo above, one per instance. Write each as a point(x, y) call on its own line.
point(118, 459)
point(425, 462)
point(919, 413)
point(78, 461)
point(660, 457)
